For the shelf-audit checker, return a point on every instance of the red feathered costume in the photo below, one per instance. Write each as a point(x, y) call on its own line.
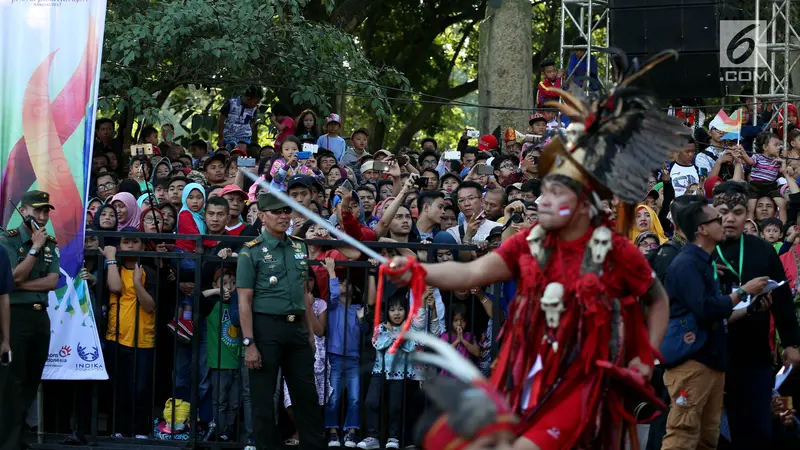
point(567, 404)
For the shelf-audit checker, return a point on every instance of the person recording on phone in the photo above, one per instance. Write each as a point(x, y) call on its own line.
point(34, 260)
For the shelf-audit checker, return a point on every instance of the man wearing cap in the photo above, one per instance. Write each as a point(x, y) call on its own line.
point(332, 141)
point(215, 169)
point(487, 143)
point(273, 308)
point(34, 261)
point(236, 198)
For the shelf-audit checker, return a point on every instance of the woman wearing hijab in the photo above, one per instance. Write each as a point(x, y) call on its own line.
point(128, 212)
point(646, 220)
point(143, 201)
point(161, 171)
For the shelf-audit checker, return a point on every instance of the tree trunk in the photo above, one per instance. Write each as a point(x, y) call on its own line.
point(377, 135)
point(504, 64)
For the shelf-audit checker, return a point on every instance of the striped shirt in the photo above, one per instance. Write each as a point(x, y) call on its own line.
point(765, 169)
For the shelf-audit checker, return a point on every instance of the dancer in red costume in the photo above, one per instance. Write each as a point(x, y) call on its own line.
point(577, 348)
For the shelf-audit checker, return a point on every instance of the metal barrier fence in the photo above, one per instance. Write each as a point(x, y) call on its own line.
point(156, 366)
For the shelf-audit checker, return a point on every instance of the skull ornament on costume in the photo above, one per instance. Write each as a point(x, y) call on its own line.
point(552, 304)
point(600, 244)
point(536, 241)
point(573, 132)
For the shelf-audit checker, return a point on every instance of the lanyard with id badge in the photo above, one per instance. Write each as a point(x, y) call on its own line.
point(738, 274)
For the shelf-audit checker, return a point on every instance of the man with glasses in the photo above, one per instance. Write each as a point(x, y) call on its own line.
point(107, 186)
point(696, 381)
point(469, 200)
point(273, 309)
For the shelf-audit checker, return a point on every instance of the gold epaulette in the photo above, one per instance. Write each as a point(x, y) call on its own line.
point(252, 243)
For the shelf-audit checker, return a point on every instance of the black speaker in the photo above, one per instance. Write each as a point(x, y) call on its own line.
point(645, 27)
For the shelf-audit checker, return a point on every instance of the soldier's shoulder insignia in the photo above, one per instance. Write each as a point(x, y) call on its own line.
point(252, 243)
point(299, 239)
point(11, 233)
point(52, 239)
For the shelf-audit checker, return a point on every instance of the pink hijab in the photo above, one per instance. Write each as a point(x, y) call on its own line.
point(134, 213)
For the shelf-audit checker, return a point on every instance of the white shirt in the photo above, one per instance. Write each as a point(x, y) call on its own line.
point(682, 177)
point(480, 235)
point(703, 161)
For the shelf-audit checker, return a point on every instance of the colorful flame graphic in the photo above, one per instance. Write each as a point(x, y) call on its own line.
point(39, 154)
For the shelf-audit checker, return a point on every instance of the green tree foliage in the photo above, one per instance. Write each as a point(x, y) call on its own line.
point(153, 47)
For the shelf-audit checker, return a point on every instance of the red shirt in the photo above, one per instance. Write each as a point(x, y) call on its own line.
point(321, 273)
point(543, 94)
point(236, 230)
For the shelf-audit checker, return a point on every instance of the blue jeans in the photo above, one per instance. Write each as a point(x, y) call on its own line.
point(183, 374)
point(344, 375)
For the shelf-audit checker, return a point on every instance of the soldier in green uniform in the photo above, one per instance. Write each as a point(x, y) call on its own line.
point(271, 281)
point(34, 262)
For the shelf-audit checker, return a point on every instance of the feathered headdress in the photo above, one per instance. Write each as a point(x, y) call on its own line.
point(465, 408)
point(617, 138)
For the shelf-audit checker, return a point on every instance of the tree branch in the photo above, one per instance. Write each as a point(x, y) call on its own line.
point(429, 109)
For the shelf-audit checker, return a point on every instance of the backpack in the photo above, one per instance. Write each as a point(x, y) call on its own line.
point(660, 258)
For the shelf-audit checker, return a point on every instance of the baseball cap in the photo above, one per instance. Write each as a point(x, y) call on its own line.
point(216, 157)
point(233, 189)
point(238, 151)
point(269, 202)
point(536, 116)
point(511, 187)
point(360, 130)
point(333, 118)
point(487, 142)
point(383, 152)
point(300, 180)
point(450, 175)
point(37, 199)
point(369, 165)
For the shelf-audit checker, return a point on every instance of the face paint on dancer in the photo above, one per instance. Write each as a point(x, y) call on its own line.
point(557, 204)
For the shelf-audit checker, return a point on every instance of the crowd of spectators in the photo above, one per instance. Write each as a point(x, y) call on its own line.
point(477, 193)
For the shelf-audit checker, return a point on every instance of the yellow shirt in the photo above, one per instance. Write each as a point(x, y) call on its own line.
point(128, 305)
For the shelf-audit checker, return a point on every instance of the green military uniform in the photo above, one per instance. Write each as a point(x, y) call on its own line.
point(276, 270)
point(30, 324)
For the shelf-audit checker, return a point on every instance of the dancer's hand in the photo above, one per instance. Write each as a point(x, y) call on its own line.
point(643, 369)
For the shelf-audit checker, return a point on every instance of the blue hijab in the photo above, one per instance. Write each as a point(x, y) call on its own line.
point(199, 220)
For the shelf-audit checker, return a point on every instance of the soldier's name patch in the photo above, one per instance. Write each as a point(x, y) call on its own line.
point(299, 256)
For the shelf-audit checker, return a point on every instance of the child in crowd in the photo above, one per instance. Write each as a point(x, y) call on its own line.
point(751, 228)
point(288, 165)
point(281, 120)
point(462, 340)
point(345, 325)
point(793, 152)
point(537, 124)
point(190, 221)
point(130, 339)
point(332, 141)
point(318, 324)
point(222, 349)
point(140, 172)
point(551, 78)
point(388, 375)
point(767, 168)
point(306, 126)
point(772, 232)
point(357, 149)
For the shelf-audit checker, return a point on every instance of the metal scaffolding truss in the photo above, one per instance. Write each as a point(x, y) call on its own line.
point(778, 40)
point(584, 16)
